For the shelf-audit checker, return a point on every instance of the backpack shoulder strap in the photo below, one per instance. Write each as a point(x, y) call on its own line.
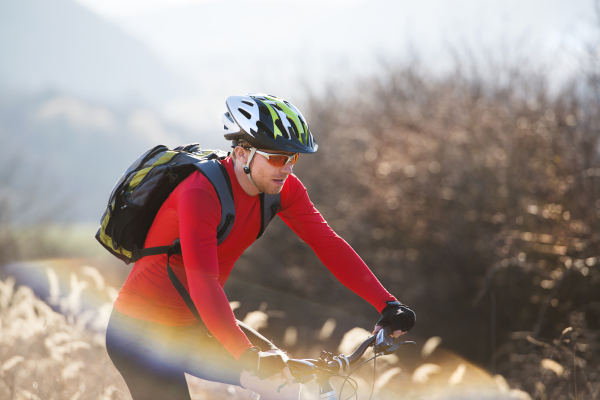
point(217, 175)
point(270, 205)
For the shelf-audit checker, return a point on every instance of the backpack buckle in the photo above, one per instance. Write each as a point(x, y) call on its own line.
point(175, 247)
point(169, 173)
point(275, 208)
point(135, 254)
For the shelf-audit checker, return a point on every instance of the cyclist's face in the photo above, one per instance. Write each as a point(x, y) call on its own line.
point(269, 178)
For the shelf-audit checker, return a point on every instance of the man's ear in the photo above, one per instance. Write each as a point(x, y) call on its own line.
point(241, 154)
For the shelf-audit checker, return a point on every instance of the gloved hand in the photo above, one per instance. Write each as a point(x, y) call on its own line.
point(261, 364)
point(398, 316)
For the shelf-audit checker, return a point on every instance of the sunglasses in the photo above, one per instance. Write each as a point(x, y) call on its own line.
point(279, 160)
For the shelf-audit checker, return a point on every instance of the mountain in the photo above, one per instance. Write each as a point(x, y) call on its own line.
point(62, 46)
point(60, 155)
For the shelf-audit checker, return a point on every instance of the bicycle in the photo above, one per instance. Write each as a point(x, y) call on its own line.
point(329, 366)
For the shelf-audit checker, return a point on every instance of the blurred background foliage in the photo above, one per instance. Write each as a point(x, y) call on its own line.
point(474, 198)
point(472, 194)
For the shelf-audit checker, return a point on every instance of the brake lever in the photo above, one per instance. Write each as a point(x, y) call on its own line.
point(384, 339)
point(384, 342)
point(296, 380)
point(395, 347)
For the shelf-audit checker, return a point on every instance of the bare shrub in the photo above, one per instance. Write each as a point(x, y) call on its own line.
point(476, 199)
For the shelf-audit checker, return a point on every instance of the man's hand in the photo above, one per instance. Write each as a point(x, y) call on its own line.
point(265, 365)
point(285, 374)
point(400, 318)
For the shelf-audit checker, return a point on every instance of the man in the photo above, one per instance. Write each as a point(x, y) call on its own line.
point(153, 339)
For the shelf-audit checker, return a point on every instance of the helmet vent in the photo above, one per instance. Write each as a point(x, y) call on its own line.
point(264, 128)
point(294, 128)
point(304, 126)
point(264, 110)
point(284, 131)
point(244, 113)
point(248, 103)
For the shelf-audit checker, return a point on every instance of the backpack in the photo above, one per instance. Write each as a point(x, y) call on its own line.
point(146, 184)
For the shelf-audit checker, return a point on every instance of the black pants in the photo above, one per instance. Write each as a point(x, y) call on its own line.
point(153, 358)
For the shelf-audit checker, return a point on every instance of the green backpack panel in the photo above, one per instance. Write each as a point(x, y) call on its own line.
point(146, 184)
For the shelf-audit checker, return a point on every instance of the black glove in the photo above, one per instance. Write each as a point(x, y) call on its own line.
point(263, 365)
point(397, 316)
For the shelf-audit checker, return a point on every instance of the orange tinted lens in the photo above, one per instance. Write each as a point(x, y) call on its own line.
point(280, 161)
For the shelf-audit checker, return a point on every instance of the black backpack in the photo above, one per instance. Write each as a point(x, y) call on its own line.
point(143, 188)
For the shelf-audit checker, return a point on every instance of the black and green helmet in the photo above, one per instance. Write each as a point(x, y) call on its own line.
point(267, 122)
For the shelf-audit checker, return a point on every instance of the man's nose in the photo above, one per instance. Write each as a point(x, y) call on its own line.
point(287, 168)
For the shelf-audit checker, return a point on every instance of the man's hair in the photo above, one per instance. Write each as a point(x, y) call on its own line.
point(241, 143)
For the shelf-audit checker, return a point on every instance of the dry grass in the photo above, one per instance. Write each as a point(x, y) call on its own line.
point(48, 354)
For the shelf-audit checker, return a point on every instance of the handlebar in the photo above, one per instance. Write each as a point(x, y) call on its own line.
point(305, 370)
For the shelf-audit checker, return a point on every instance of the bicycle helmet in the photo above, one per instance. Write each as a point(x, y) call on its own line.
point(267, 122)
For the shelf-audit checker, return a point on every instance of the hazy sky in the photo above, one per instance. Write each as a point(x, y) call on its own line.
point(290, 47)
point(120, 8)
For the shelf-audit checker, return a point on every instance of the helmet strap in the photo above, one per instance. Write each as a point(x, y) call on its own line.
point(247, 168)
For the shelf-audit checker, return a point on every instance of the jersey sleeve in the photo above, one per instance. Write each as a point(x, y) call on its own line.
point(299, 213)
point(199, 215)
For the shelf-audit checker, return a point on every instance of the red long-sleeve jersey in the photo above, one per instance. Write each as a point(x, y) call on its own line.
point(192, 213)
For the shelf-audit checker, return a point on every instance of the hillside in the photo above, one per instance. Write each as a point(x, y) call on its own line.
point(60, 45)
point(61, 155)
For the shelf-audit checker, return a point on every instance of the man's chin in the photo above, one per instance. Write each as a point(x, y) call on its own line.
point(271, 190)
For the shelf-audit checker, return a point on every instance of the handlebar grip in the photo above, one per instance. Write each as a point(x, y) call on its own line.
point(300, 367)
